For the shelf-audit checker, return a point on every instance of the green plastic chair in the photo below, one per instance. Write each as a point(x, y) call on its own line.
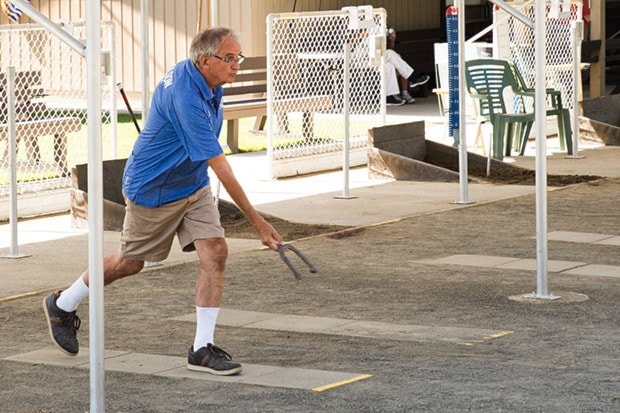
point(556, 108)
point(487, 81)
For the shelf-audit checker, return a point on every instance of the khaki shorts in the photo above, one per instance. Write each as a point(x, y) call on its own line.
point(148, 232)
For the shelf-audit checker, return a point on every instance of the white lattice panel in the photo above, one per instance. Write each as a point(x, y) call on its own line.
point(50, 105)
point(307, 94)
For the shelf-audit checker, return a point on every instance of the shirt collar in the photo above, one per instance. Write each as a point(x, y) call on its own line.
point(200, 82)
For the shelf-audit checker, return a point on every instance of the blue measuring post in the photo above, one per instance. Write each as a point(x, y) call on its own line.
point(452, 35)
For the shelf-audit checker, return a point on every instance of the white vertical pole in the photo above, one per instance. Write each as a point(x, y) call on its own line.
point(13, 217)
point(347, 120)
point(541, 152)
point(95, 207)
point(346, 89)
point(577, 31)
point(270, 123)
point(12, 158)
point(113, 94)
point(145, 14)
point(462, 132)
point(382, 76)
point(383, 87)
point(213, 12)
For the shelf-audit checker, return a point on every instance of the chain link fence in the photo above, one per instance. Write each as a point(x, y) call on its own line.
point(326, 85)
point(516, 42)
point(50, 105)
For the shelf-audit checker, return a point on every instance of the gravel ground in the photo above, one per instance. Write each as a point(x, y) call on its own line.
point(561, 357)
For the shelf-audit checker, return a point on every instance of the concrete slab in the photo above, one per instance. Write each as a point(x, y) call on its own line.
point(504, 262)
point(609, 241)
point(532, 264)
point(270, 321)
point(389, 331)
point(238, 318)
point(296, 378)
point(600, 161)
point(475, 260)
point(139, 363)
point(583, 237)
point(386, 202)
point(250, 374)
point(347, 327)
point(271, 376)
point(564, 267)
point(40, 230)
point(53, 357)
point(596, 270)
point(299, 324)
point(168, 366)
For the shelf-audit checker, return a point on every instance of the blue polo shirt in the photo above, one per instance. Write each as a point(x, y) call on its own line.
point(168, 160)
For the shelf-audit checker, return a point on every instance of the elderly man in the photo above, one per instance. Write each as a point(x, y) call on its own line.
point(167, 192)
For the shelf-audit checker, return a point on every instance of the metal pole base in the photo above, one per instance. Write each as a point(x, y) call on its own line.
point(345, 197)
point(463, 202)
point(562, 297)
point(14, 256)
point(574, 156)
point(542, 297)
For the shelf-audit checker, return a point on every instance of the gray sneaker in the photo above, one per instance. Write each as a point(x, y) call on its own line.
point(62, 325)
point(212, 359)
point(407, 97)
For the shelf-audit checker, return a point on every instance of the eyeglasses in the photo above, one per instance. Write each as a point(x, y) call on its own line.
point(229, 59)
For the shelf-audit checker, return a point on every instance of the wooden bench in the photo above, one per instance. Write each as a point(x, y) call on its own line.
point(30, 124)
point(247, 97)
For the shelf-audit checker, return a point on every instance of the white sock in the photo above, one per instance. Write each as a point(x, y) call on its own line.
point(71, 297)
point(205, 326)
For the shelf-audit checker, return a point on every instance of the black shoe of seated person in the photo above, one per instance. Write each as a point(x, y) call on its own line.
point(394, 100)
point(418, 80)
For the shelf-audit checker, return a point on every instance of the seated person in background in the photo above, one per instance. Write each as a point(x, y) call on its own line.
point(399, 75)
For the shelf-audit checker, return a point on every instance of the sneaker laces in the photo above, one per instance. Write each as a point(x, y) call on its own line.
point(75, 320)
point(220, 353)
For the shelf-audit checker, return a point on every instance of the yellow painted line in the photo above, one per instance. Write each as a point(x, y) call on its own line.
point(30, 294)
point(17, 297)
point(489, 337)
point(390, 221)
point(341, 383)
point(498, 335)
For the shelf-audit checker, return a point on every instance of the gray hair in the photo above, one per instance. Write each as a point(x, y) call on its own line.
point(208, 41)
